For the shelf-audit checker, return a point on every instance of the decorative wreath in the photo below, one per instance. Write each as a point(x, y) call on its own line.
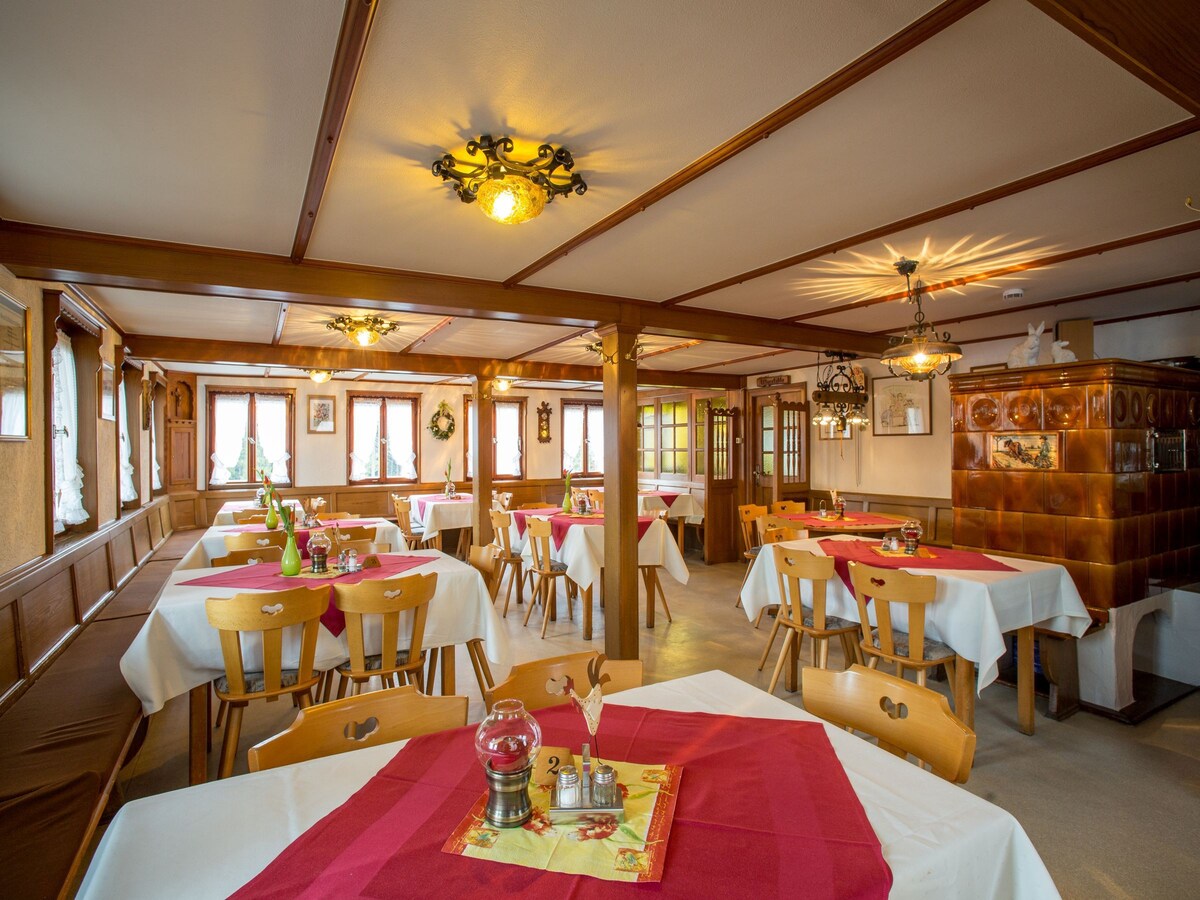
point(442, 423)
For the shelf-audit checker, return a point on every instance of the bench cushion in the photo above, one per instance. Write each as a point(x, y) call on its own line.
point(42, 831)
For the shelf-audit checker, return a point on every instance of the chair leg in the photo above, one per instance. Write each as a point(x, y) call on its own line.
point(538, 590)
point(784, 652)
point(850, 649)
point(233, 731)
point(512, 576)
point(770, 641)
point(343, 683)
point(551, 600)
point(921, 673)
point(661, 593)
point(824, 663)
point(208, 726)
point(221, 708)
point(433, 658)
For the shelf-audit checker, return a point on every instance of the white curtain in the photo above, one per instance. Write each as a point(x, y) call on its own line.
point(508, 440)
point(572, 431)
point(68, 475)
point(595, 438)
point(128, 488)
point(402, 457)
point(364, 440)
point(271, 423)
point(231, 419)
point(12, 410)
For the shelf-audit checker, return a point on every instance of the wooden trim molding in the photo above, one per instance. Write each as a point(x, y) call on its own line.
point(385, 396)
point(211, 393)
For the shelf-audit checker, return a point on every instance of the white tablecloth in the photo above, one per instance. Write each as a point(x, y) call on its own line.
point(583, 551)
point(225, 513)
point(441, 515)
point(209, 840)
point(177, 650)
point(971, 611)
point(212, 542)
point(684, 506)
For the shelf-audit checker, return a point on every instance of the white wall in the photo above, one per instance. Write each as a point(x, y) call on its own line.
point(320, 459)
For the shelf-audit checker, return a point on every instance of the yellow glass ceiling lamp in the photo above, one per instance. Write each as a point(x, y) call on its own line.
point(362, 330)
point(510, 191)
point(320, 376)
point(921, 353)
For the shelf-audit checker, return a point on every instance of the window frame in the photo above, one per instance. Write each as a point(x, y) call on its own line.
point(211, 393)
point(383, 478)
point(585, 472)
point(523, 402)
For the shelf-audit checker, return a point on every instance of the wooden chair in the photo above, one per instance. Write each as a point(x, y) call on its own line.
point(769, 536)
point(595, 500)
point(798, 620)
point(413, 537)
point(484, 560)
point(748, 518)
point(249, 516)
point(908, 651)
point(329, 517)
point(904, 717)
point(501, 500)
point(543, 505)
point(546, 572)
point(267, 613)
point(388, 599)
point(248, 557)
point(527, 681)
point(788, 507)
point(256, 540)
point(352, 723)
point(353, 533)
point(507, 561)
point(650, 575)
point(364, 548)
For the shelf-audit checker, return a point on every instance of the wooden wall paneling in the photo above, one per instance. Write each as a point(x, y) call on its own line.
point(164, 519)
point(124, 561)
point(183, 511)
point(10, 650)
point(47, 616)
point(156, 530)
point(141, 539)
point(92, 582)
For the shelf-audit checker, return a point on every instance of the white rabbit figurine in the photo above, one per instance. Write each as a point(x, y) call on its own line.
point(1026, 352)
point(1060, 354)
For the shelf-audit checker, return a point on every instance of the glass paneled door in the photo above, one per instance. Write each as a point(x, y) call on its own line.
point(779, 447)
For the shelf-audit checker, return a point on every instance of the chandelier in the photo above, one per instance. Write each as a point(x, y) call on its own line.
point(320, 376)
point(841, 393)
point(921, 353)
point(362, 330)
point(508, 190)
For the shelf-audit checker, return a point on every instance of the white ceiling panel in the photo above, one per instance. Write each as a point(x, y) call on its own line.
point(188, 316)
point(189, 122)
point(228, 369)
point(306, 325)
point(575, 352)
point(636, 91)
point(765, 361)
point(1002, 93)
point(492, 339)
point(702, 354)
point(405, 377)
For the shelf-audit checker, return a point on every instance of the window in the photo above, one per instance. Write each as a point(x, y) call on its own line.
point(68, 474)
point(508, 443)
point(583, 437)
point(701, 443)
point(248, 433)
point(673, 437)
point(383, 437)
point(646, 441)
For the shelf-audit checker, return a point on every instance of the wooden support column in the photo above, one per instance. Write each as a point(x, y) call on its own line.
point(482, 429)
point(620, 493)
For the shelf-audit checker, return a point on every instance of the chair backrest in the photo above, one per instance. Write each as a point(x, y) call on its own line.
point(539, 531)
point(269, 613)
point(595, 500)
point(546, 504)
point(501, 523)
point(527, 681)
point(362, 548)
point(246, 557)
point(788, 507)
point(403, 509)
point(888, 586)
point(748, 517)
point(388, 599)
point(249, 516)
point(904, 717)
point(483, 561)
point(772, 520)
point(779, 535)
point(501, 500)
point(353, 533)
point(378, 717)
point(795, 566)
point(256, 540)
point(329, 517)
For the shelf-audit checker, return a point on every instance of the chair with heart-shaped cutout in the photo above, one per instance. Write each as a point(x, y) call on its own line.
point(366, 720)
point(256, 672)
point(903, 717)
point(255, 540)
point(382, 605)
point(248, 557)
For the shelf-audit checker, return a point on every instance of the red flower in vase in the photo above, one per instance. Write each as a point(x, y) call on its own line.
point(596, 828)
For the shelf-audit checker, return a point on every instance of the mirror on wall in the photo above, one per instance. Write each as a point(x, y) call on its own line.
point(14, 369)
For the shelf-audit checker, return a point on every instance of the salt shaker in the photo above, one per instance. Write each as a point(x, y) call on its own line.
point(568, 787)
point(604, 787)
point(352, 563)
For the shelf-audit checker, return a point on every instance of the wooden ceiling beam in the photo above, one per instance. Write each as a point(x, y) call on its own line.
point(1158, 41)
point(1054, 259)
point(685, 345)
point(347, 58)
point(280, 322)
point(54, 254)
point(740, 359)
point(428, 334)
point(933, 22)
point(195, 350)
point(1074, 167)
point(554, 343)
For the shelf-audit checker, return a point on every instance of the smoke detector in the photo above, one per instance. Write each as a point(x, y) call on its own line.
point(1013, 294)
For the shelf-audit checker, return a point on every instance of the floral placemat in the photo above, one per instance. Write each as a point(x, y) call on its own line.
point(633, 850)
point(922, 553)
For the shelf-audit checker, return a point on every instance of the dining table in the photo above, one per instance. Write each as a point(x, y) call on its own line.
point(936, 839)
point(578, 541)
point(178, 652)
point(979, 598)
point(851, 523)
point(229, 507)
point(212, 543)
point(682, 506)
point(435, 513)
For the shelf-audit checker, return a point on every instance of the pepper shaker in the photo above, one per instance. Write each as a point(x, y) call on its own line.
point(604, 787)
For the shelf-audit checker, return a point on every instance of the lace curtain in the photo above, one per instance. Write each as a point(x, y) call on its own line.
point(231, 418)
point(270, 419)
point(68, 475)
point(128, 488)
point(364, 441)
point(402, 457)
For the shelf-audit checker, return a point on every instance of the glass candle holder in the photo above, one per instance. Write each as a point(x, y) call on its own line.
point(911, 531)
point(507, 744)
point(319, 546)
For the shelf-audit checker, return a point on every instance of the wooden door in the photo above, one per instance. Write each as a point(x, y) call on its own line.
point(778, 447)
point(722, 465)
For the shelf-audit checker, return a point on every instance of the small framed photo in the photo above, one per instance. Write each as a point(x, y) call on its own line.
point(900, 406)
point(831, 432)
point(107, 387)
point(321, 411)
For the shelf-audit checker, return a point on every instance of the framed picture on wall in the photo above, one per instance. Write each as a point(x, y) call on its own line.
point(831, 432)
point(900, 406)
point(321, 411)
point(106, 385)
point(15, 339)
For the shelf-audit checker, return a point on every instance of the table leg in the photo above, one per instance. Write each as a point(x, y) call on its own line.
point(198, 725)
point(448, 671)
point(649, 597)
point(585, 596)
point(792, 672)
point(964, 691)
point(1025, 679)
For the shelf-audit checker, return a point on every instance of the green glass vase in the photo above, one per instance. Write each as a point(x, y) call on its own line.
point(272, 520)
point(290, 564)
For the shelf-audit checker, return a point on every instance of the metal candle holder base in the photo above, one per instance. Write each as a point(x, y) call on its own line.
point(508, 804)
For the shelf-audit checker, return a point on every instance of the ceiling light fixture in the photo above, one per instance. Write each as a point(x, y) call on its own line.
point(320, 376)
point(918, 355)
point(508, 190)
point(362, 330)
point(841, 392)
point(635, 352)
point(503, 384)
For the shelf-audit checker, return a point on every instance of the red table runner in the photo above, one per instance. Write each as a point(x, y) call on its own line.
point(812, 520)
point(423, 502)
point(302, 534)
point(861, 551)
point(765, 810)
point(521, 516)
point(561, 524)
point(266, 577)
point(666, 497)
